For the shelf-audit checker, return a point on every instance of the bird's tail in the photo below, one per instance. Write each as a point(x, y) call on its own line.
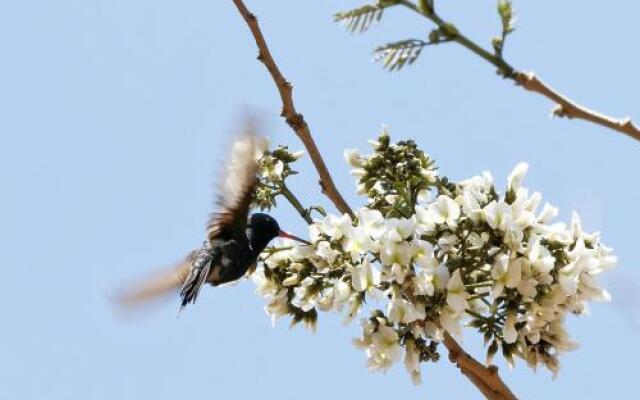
point(155, 286)
point(197, 276)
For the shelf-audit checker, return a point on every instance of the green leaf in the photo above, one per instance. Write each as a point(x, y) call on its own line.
point(505, 10)
point(396, 55)
point(362, 18)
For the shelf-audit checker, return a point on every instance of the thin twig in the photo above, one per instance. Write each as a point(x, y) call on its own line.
point(295, 203)
point(486, 379)
point(568, 108)
point(294, 119)
point(565, 107)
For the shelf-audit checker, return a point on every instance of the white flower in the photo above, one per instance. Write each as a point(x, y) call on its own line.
point(423, 254)
point(505, 272)
point(412, 361)
point(264, 286)
point(291, 280)
point(450, 321)
point(302, 299)
point(372, 222)
point(547, 214)
point(396, 253)
point(334, 297)
point(365, 276)
point(335, 227)
point(424, 197)
point(456, 293)
point(515, 179)
point(423, 284)
point(324, 251)
point(441, 277)
point(509, 332)
point(277, 258)
point(392, 198)
point(359, 173)
point(479, 187)
point(429, 174)
point(353, 158)
point(470, 206)
point(277, 306)
point(382, 346)
point(358, 242)
point(425, 223)
point(582, 260)
point(444, 210)
point(354, 307)
point(576, 225)
point(273, 168)
point(315, 233)
point(448, 242)
point(541, 259)
point(402, 311)
point(499, 216)
point(397, 273)
point(399, 229)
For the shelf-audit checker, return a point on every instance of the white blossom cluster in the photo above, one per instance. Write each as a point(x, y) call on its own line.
point(437, 256)
point(275, 168)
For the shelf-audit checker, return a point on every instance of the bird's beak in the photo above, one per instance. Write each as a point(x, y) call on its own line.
point(287, 235)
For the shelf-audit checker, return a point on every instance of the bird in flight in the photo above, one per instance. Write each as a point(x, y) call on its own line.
point(234, 239)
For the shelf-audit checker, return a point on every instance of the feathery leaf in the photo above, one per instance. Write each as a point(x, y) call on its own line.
point(396, 55)
point(362, 18)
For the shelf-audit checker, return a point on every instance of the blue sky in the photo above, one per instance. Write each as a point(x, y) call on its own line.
point(113, 117)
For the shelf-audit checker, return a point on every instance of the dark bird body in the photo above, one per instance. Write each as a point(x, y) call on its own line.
point(229, 256)
point(233, 240)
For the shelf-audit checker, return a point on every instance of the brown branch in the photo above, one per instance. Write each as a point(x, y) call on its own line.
point(565, 106)
point(486, 379)
point(294, 119)
point(568, 108)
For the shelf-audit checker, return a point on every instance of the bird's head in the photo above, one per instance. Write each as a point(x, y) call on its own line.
point(264, 228)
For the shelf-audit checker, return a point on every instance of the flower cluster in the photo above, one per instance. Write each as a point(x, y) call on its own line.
point(394, 176)
point(429, 256)
point(275, 168)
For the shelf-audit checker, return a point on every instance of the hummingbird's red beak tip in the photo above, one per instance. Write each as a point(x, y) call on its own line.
point(287, 235)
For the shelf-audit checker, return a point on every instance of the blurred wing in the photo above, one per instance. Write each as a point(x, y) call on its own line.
point(237, 187)
point(155, 286)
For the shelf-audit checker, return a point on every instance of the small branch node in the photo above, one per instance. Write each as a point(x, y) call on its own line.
point(296, 122)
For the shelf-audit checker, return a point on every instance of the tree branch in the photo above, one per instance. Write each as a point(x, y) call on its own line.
point(565, 107)
point(294, 119)
point(486, 379)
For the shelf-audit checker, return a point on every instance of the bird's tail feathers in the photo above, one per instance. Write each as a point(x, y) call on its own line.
point(196, 279)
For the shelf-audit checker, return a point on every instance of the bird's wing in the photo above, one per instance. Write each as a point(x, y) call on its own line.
point(237, 187)
point(156, 285)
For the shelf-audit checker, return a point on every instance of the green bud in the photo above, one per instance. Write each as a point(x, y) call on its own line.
point(491, 351)
point(449, 30)
point(497, 44)
point(505, 10)
point(384, 140)
point(426, 6)
point(376, 161)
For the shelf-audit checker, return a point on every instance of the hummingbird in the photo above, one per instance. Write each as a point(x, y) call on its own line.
point(233, 241)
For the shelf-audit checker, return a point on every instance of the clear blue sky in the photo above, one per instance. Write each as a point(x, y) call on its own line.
point(112, 117)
